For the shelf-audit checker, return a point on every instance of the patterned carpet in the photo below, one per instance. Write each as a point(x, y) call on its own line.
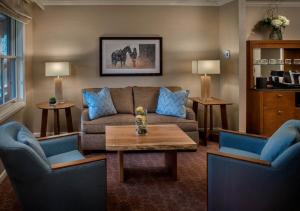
point(147, 186)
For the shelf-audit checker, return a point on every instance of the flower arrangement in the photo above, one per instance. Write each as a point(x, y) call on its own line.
point(141, 120)
point(276, 24)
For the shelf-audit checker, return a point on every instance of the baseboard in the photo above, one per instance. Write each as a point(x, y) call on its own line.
point(2, 176)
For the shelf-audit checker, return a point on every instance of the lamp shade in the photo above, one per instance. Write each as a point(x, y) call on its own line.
point(57, 68)
point(206, 67)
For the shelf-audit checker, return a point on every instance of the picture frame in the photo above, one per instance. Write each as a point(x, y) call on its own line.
point(130, 56)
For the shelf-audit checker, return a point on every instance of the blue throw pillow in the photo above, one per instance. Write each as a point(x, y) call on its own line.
point(172, 103)
point(282, 139)
point(100, 104)
point(26, 137)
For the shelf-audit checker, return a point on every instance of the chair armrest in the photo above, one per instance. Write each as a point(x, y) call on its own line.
point(46, 138)
point(240, 158)
point(77, 162)
point(54, 145)
point(190, 114)
point(243, 134)
point(242, 141)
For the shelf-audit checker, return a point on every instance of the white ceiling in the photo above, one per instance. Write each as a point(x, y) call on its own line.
point(162, 2)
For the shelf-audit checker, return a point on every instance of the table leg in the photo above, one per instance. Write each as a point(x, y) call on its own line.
point(211, 117)
point(69, 119)
point(56, 122)
point(44, 122)
point(205, 126)
point(171, 163)
point(121, 165)
point(195, 108)
point(224, 117)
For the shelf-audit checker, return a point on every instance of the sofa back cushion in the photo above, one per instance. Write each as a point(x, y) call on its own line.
point(122, 99)
point(147, 97)
point(287, 135)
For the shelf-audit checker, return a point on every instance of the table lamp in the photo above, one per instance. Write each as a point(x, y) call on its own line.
point(57, 69)
point(204, 67)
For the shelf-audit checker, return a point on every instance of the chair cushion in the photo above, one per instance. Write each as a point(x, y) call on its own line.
point(100, 104)
point(239, 152)
point(26, 137)
point(172, 103)
point(185, 124)
point(98, 125)
point(147, 97)
point(66, 157)
point(283, 138)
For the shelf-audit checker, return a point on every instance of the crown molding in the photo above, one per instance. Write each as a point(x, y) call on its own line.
point(268, 3)
point(39, 3)
point(135, 2)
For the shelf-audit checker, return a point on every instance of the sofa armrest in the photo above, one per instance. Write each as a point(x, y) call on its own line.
point(59, 144)
point(190, 114)
point(242, 141)
point(85, 115)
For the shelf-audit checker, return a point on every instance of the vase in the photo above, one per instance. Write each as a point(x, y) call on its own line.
point(276, 34)
point(141, 125)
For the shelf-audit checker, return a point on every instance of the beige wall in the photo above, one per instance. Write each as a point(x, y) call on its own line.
point(71, 33)
point(229, 78)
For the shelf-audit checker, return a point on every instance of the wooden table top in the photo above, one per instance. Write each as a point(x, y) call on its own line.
point(210, 101)
point(46, 105)
point(159, 137)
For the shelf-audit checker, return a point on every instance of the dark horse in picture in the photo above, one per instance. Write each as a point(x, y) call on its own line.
point(120, 56)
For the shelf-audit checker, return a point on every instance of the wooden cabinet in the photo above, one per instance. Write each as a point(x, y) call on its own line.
point(268, 108)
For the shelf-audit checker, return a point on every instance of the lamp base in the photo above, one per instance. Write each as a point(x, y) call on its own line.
point(205, 87)
point(58, 90)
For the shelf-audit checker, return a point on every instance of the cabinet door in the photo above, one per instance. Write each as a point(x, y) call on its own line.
point(278, 107)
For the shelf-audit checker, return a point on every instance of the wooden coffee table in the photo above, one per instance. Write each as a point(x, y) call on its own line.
point(166, 138)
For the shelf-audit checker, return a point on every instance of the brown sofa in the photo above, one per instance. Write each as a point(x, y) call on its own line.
point(125, 100)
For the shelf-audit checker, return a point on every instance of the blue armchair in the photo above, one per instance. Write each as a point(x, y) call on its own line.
point(251, 172)
point(52, 174)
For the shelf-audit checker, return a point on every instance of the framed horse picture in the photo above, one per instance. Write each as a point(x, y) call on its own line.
point(130, 56)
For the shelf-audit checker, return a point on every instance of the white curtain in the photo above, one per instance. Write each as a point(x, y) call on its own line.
point(17, 9)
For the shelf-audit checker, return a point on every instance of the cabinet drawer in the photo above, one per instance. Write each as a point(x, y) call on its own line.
point(273, 100)
point(274, 118)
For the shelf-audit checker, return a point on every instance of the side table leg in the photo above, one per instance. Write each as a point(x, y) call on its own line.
point(224, 117)
point(211, 118)
point(56, 121)
point(205, 126)
point(69, 119)
point(121, 165)
point(44, 123)
point(171, 163)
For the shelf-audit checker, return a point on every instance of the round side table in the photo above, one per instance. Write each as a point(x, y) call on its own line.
point(46, 107)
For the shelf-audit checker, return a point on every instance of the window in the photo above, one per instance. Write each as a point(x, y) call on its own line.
point(11, 61)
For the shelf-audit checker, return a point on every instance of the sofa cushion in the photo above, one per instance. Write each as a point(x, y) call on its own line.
point(184, 124)
point(26, 137)
point(147, 97)
point(122, 99)
point(172, 103)
point(66, 157)
point(100, 104)
point(239, 152)
point(98, 125)
point(283, 138)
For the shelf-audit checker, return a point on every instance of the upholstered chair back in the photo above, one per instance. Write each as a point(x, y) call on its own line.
point(21, 162)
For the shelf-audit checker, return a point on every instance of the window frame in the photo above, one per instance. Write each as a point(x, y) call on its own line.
point(14, 105)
